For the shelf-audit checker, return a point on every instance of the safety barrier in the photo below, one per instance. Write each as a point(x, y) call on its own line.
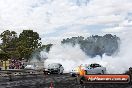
point(20, 72)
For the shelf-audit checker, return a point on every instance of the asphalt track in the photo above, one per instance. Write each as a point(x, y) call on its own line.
point(52, 81)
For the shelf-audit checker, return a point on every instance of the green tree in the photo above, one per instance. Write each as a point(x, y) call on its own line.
point(28, 41)
point(9, 44)
point(4, 56)
point(46, 47)
point(9, 39)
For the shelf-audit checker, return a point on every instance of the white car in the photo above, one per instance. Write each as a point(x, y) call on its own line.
point(31, 67)
point(55, 68)
point(95, 69)
point(75, 71)
point(90, 69)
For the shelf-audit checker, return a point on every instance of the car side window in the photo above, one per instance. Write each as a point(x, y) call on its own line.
point(97, 65)
point(92, 65)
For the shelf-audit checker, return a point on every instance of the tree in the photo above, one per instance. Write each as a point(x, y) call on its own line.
point(28, 41)
point(9, 39)
point(7, 36)
point(46, 47)
point(95, 44)
point(9, 44)
point(4, 56)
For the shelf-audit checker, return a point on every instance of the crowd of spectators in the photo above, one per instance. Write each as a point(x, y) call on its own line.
point(16, 64)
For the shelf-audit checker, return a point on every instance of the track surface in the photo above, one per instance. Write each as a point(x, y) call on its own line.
point(52, 80)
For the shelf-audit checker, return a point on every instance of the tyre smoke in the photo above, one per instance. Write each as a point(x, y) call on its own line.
point(71, 57)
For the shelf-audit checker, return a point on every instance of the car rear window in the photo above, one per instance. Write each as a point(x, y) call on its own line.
point(54, 65)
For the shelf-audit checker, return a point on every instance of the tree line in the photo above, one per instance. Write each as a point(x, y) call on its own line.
point(20, 46)
point(96, 45)
point(27, 44)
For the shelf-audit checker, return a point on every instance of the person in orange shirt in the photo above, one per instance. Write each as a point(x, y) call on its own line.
point(81, 70)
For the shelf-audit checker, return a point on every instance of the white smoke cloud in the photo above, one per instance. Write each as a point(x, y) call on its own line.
point(67, 55)
point(71, 57)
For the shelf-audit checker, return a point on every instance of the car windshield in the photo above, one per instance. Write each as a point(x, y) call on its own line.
point(54, 65)
point(94, 65)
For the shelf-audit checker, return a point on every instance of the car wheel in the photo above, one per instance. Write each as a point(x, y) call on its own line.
point(73, 75)
point(59, 72)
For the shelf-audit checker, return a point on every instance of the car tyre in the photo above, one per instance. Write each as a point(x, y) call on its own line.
point(73, 75)
point(59, 72)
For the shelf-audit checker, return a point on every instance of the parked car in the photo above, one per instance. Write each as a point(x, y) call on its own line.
point(55, 68)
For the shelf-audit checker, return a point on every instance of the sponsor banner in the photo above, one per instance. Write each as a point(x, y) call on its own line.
point(111, 78)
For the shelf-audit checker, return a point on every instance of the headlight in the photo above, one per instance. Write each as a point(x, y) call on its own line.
point(46, 69)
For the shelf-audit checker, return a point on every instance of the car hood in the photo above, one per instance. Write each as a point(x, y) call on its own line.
point(52, 67)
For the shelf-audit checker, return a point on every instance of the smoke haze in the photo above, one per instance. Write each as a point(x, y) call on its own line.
point(71, 57)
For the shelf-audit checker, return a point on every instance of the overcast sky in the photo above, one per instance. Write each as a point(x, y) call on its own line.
point(58, 19)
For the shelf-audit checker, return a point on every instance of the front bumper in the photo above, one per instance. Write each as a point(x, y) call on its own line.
point(53, 70)
point(74, 73)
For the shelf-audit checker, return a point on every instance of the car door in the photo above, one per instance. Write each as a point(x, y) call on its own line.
point(90, 70)
point(93, 68)
point(97, 69)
